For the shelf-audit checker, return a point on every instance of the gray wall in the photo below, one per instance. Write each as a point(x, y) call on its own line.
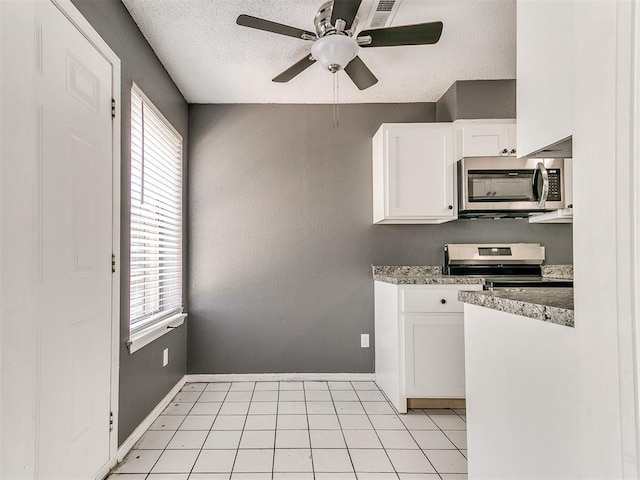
point(281, 241)
point(143, 380)
point(477, 99)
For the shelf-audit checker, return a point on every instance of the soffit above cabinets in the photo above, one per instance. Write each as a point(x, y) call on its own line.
point(213, 60)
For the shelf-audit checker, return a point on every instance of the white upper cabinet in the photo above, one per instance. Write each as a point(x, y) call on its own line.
point(413, 173)
point(485, 138)
point(544, 79)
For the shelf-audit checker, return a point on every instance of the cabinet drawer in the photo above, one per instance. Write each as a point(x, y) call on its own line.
point(422, 300)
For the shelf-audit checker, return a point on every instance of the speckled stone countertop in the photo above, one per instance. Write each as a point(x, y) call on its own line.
point(554, 305)
point(557, 271)
point(420, 275)
point(432, 275)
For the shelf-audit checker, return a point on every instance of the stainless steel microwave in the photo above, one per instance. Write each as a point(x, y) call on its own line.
point(509, 187)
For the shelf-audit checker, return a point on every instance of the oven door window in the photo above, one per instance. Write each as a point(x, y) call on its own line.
point(500, 185)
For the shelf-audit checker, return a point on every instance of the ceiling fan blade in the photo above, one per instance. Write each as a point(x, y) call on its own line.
point(269, 26)
point(295, 69)
point(360, 74)
point(345, 10)
point(420, 34)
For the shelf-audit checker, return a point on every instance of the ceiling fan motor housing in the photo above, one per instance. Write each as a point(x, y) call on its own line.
point(322, 22)
point(334, 52)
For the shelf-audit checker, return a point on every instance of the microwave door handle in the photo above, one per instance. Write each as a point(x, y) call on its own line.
point(541, 173)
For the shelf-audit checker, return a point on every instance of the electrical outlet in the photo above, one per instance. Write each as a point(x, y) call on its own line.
point(165, 357)
point(364, 340)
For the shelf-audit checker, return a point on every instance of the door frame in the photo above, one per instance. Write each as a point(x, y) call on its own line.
point(634, 440)
point(86, 29)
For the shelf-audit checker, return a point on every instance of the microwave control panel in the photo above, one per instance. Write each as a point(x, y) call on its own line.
point(554, 185)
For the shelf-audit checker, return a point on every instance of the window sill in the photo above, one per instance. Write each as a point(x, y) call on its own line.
point(155, 331)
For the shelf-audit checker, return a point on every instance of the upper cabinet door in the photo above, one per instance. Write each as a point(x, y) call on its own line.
point(485, 139)
point(413, 173)
point(544, 79)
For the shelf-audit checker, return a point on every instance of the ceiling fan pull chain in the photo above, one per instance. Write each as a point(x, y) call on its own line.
point(336, 100)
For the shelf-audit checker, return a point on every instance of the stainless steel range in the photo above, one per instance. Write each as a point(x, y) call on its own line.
point(505, 265)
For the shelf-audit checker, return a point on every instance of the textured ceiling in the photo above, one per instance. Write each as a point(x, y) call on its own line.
point(213, 60)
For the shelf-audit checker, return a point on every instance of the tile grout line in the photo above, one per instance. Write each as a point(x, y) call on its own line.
point(355, 474)
point(465, 430)
point(447, 436)
point(211, 428)
point(411, 434)
point(275, 432)
point(376, 431)
point(244, 425)
point(205, 438)
point(209, 431)
point(174, 432)
point(306, 411)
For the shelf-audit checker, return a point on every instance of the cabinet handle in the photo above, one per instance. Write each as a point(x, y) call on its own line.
point(504, 150)
point(513, 150)
point(443, 301)
point(450, 207)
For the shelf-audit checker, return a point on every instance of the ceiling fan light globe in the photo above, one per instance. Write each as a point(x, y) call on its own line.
point(334, 50)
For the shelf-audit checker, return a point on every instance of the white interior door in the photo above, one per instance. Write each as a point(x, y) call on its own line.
point(73, 105)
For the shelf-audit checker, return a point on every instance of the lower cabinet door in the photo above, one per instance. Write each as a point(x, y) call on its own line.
point(434, 355)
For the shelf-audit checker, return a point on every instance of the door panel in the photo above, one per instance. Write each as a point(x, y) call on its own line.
point(419, 171)
point(488, 140)
point(434, 355)
point(83, 153)
point(73, 94)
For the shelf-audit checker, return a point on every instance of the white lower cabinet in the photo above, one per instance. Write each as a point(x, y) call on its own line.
point(419, 333)
point(434, 355)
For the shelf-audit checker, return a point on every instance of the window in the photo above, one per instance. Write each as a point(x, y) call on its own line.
point(156, 216)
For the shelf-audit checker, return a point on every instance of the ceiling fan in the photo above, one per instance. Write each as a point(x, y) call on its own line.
point(335, 47)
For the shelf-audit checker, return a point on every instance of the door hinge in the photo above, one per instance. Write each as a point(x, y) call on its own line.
point(111, 421)
point(113, 263)
point(113, 108)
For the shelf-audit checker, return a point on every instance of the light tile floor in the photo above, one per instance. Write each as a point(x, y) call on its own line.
point(297, 431)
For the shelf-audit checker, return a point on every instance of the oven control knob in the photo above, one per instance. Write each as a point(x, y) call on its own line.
point(443, 301)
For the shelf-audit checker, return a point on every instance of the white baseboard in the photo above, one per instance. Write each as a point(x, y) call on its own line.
point(104, 471)
point(282, 377)
point(128, 444)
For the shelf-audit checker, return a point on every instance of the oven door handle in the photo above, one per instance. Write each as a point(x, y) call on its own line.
point(541, 191)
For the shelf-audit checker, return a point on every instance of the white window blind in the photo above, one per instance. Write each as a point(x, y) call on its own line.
point(156, 215)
